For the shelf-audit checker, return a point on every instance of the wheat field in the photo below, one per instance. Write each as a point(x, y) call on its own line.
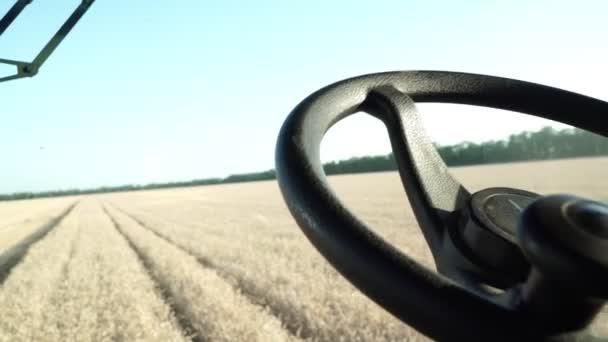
point(218, 263)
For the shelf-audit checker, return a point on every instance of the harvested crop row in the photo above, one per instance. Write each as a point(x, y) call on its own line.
point(213, 307)
point(17, 212)
point(106, 294)
point(13, 233)
point(26, 294)
point(16, 245)
point(289, 277)
point(83, 283)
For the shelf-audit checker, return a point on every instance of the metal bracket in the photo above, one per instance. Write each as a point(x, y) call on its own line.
point(29, 69)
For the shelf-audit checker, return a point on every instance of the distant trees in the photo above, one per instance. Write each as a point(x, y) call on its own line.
point(250, 177)
point(547, 143)
point(360, 165)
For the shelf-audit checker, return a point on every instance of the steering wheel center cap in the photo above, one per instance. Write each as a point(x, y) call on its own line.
point(490, 231)
point(498, 209)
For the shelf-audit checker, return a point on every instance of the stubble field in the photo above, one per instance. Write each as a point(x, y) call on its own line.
point(217, 263)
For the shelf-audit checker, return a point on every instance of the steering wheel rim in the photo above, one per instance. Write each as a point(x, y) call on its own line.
point(409, 291)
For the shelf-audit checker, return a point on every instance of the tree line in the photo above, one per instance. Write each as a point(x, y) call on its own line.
point(547, 143)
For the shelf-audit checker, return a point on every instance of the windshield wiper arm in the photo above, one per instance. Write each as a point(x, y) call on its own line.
point(12, 14)
point(29, 69)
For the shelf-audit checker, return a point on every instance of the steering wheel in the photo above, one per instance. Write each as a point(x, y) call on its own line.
point(541, 274)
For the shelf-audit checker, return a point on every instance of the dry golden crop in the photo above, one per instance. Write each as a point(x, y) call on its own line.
point(218, 263)
point(209, 304)
point(83, 283)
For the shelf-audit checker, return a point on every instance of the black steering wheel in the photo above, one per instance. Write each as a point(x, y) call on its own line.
point(538, 275)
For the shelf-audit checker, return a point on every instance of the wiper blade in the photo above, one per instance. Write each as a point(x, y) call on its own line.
point(29, 69)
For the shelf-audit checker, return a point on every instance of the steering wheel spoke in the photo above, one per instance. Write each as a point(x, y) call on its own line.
point(431, 189)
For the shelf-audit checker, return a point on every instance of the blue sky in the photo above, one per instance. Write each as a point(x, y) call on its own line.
point(151, 91)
